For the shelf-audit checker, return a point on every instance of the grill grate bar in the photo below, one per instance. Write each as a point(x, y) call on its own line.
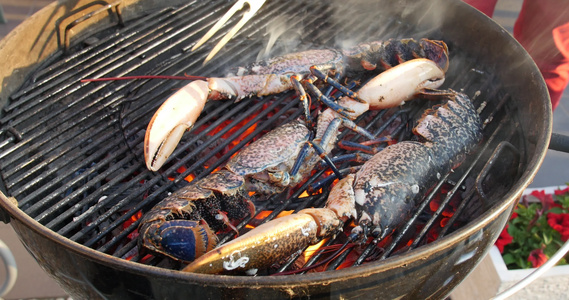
point(108, 192)
point(25, 167)
point(134, 195)
point(129, 247)
point(106, 166)
point(60, 167)
point(74, 139)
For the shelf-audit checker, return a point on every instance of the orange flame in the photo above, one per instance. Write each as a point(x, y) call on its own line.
point(312, 249)
point(132, 219)
point(284, 213)
point(263, 214)
point(136, 216)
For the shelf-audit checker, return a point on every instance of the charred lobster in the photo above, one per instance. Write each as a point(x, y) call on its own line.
point(379, 196)
point(182, 226)
point(180, 111)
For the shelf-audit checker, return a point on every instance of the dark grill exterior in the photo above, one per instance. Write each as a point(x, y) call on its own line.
point(71, 152)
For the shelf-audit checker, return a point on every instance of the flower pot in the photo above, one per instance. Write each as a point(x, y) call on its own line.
point(491, 277)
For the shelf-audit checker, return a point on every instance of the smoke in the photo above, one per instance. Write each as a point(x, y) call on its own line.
point(379, 20)
point(343, 24)
point(282, 35)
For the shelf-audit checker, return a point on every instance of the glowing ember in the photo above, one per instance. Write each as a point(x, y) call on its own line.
point(188, 178)
point(234, 129)
point(132, 219)
point(284, 213)
point(264, 214)
point(444, 222)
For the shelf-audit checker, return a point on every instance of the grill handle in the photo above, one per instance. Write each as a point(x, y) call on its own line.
point(65, 41)
point(559, 142)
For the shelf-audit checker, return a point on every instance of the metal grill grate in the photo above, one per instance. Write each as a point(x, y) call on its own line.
point(72, 151)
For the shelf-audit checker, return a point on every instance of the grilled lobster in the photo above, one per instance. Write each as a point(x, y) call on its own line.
point(379, 196)
point(182, 226)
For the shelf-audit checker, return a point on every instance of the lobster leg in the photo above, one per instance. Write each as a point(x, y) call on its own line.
point(370, 147)
point(327, 139)
point(342, 110)
point(334, 83)
point(303, 97)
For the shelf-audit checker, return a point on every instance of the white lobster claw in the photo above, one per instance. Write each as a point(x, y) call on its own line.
point(401, 83)
point(176, 115)
point(395, 85)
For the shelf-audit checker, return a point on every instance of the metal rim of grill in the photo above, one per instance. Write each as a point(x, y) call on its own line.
point(126, 106)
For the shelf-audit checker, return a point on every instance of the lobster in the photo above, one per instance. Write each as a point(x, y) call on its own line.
point(182, 226)
point(379, 196)
point(180, 111)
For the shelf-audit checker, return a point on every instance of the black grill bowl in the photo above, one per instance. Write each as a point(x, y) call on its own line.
point(429, 271)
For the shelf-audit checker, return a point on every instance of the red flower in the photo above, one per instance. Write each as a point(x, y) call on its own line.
point(514, 215)
point(559, 222)
point(504, 239)
point(537, 258)
point(545, 199)
point(561, 192)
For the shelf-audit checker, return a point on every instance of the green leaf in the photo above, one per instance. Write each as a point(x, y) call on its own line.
point(522, 263)
point(547, 239)
point(509, 258)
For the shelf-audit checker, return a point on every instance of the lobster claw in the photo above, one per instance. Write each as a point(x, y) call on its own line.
point(182, 239)
point(176, 115)
point(270, 242)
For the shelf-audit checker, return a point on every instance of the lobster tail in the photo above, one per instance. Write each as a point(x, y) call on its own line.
point(436, 51)
point(453, 128)
point(389, 53)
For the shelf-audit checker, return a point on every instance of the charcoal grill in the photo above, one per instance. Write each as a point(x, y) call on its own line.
point(71, 152)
